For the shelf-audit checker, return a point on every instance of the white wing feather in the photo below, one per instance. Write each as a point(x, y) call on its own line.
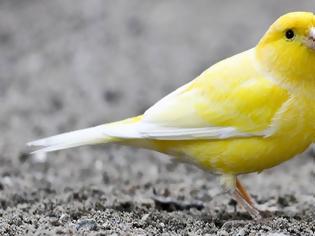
point(154, 131)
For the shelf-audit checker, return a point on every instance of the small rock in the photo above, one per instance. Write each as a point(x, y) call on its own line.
point(286, 200)
point(241, 232)
point(114, 234)
point(99, 206)
point(87, 224)
point(223, 233)
point(64, 218)
point(54, 221)
point(145, 217)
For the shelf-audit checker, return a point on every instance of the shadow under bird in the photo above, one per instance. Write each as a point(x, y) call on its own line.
point(245, 114)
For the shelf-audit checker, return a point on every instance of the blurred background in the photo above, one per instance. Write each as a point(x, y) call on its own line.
point(72, 64)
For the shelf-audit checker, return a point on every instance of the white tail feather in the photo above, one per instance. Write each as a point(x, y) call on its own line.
point(77, 138)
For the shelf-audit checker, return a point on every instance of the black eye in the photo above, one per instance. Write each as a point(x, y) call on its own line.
point(289, 34)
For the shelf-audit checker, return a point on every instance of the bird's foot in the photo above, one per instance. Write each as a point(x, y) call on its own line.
point(249, 207)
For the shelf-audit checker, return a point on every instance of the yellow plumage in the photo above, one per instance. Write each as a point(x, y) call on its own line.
point(244, 114)
point(280, 124)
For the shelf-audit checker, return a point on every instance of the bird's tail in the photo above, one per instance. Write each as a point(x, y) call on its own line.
point(89, 136)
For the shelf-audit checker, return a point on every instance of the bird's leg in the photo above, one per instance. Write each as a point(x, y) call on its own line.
point(241, 189)
point(231, 183)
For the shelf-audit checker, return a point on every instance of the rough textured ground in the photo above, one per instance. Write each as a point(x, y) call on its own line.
point(72, 64)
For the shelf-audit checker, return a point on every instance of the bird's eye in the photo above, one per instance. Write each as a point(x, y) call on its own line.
point(289, 34)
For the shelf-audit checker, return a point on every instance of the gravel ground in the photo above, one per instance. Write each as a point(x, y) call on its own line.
point(73, 64)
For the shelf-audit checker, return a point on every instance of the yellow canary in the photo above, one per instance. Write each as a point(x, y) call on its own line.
point(244, 114)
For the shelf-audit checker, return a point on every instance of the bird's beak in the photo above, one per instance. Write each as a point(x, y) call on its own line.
point(310, 40)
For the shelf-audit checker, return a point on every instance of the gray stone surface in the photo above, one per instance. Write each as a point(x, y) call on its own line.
point(72, 64)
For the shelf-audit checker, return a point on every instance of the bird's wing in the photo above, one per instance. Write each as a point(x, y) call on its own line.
point(230, 99)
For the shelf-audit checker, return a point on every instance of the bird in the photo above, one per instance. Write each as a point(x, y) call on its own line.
point(244, 114)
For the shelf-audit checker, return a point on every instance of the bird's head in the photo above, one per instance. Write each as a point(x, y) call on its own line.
point(287, 51)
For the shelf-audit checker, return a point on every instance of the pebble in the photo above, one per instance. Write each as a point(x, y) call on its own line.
point(64, 218)
point(87, 224)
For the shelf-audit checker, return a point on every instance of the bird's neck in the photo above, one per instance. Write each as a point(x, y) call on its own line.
point(298, 79)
